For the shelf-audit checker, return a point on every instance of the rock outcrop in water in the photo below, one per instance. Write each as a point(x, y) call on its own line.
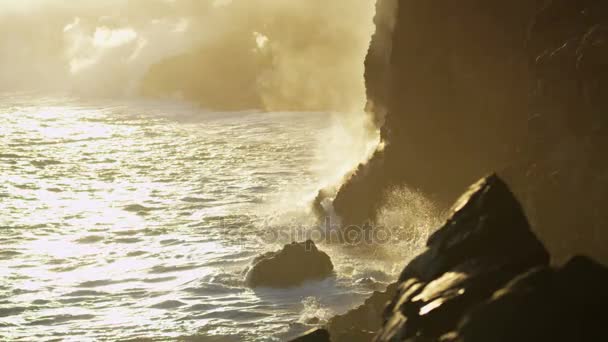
point(295, 264)
point(484, 277)
point(476, 86)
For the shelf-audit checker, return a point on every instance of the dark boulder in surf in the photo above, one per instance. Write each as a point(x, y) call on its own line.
point(295, 264)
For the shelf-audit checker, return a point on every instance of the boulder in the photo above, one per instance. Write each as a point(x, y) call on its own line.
point(295, 264)
point(484, 244)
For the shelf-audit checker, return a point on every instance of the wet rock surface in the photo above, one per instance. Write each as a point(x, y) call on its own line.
point(295, 264)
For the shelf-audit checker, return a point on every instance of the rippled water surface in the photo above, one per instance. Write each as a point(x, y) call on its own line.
point(133, 220)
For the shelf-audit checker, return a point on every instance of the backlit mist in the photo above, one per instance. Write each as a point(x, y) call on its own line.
point(239, 54)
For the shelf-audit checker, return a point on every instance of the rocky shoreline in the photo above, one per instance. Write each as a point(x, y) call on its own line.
point(462, 89)
point(484, 277)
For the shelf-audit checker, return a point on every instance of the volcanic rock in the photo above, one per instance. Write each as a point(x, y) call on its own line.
point(295, 264)
point(483, 245)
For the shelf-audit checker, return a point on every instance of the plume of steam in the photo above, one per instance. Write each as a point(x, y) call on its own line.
point(301, 55)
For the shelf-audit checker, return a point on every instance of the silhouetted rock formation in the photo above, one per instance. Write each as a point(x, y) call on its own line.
point(295, 264)
point(484, 277)
point(484, 244)
point(476, 86)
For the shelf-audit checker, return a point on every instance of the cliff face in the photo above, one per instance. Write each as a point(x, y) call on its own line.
point(517, 86)
point(377, 61)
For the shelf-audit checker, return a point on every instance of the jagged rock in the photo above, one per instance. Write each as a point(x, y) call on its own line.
point(485, 277)
point(485, 224)
point(295, 264)
point(484, 244)
point(318, 335)
point(363, 322)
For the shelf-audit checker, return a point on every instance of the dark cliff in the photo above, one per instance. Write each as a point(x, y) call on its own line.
point(377, 61)
point(475, 86)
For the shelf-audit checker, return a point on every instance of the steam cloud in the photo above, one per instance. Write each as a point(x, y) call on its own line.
point(270, 54)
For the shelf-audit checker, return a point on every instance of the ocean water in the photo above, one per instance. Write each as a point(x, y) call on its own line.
point(125, 220)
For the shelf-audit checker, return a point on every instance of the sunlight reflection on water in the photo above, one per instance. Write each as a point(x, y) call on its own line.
point(138, 220)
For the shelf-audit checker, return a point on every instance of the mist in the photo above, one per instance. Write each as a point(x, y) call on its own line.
point(223, 54)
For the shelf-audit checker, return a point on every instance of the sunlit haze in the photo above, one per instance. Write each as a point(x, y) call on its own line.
point(289, 54)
